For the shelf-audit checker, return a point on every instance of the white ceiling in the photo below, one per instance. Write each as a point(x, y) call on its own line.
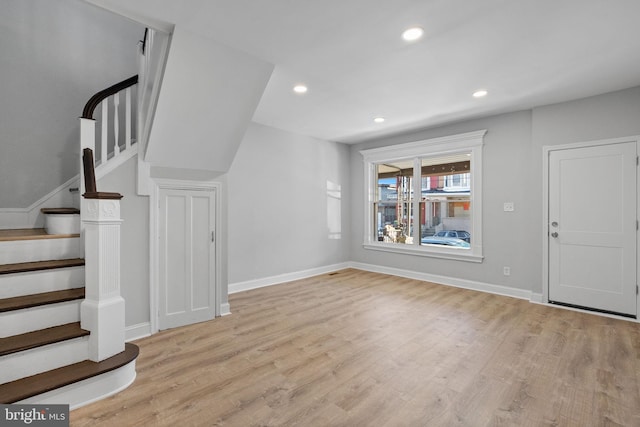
point(350, 54)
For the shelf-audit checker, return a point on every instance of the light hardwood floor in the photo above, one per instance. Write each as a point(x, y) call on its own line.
point(365, 349)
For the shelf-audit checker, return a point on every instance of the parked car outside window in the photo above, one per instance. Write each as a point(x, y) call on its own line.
point(458, 234)
point(446, 241)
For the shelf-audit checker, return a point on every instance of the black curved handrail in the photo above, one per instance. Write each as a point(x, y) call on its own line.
point(96, 99)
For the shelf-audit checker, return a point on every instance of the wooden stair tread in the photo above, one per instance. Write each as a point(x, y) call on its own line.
point(35, 300)
point(24, 388)
point(42, 337)
point(23, 267)
point(30, 234)
point(60, 211)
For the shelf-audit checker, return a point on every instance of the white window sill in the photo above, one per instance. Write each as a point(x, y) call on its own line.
point(458, 254)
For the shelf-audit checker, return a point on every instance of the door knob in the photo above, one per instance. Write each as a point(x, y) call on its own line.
point(554, 234)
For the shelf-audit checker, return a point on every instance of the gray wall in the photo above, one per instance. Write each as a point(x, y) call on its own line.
point(512, 172)
point(276, 221)
point(612, 115)
point(55, 56)
point(134, 241)
point(278, 204)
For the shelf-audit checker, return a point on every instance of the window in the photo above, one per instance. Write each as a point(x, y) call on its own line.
point(425, 197)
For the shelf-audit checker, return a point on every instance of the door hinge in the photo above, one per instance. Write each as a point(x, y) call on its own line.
point(637, 160)
point(213, 236)
point(636, 289)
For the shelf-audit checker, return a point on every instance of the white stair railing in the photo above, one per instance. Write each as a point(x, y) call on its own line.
point(102, 312)
point(112, 139)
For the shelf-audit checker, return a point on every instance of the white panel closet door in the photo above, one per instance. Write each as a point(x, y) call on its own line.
point(187, 257)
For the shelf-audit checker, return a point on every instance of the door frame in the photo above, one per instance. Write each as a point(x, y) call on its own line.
point(154, 241)
point(546, 154)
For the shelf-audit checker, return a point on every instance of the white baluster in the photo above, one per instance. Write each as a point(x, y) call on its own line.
point(104, 126)
point(127, 118)
point(116, 124)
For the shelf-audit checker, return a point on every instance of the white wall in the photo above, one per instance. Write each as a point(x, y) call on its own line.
point(55, 56)
point(209, 94)
point(512, 172)
point(281, 217)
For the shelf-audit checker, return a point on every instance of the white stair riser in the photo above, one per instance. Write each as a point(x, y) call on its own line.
point(62, 224)
point(39, 250)
point(35, 282)
point(34, 361)
point(32, 319)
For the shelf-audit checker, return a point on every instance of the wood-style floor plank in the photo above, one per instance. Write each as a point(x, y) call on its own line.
point(359, 349)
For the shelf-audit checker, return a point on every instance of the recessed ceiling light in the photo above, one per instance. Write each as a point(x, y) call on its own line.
point(412, 34)
point(480, 93)
point(300, 89)
point(379, 119)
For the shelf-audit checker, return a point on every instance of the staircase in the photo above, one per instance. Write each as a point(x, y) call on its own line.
point(43, 350)
point(61, 313)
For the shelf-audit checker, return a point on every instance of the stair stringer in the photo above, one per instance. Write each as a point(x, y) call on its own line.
point(31, 217)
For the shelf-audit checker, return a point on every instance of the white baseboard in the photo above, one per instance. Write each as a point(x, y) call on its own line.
point(225, 309)
point(536, 298)
point(445, 280)
point(282, 278)
point(135, 332)
point(442, 280)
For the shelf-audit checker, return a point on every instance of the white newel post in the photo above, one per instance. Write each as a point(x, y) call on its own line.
point(102, 312)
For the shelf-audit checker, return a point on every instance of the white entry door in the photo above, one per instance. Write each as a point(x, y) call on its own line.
point(187, 257)
point(592, 227)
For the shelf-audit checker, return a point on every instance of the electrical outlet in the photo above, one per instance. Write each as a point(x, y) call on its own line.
point(509, 207)
point(506, 271)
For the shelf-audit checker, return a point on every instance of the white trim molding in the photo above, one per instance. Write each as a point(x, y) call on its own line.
point(283, 278)
point(154, 246)
point(136, 332)
point(470, 143)
point(31, 217)
point(225, 309)
point(426, 277)
point(445, 280)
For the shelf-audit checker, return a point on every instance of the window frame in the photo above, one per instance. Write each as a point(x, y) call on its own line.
point(470, 142)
